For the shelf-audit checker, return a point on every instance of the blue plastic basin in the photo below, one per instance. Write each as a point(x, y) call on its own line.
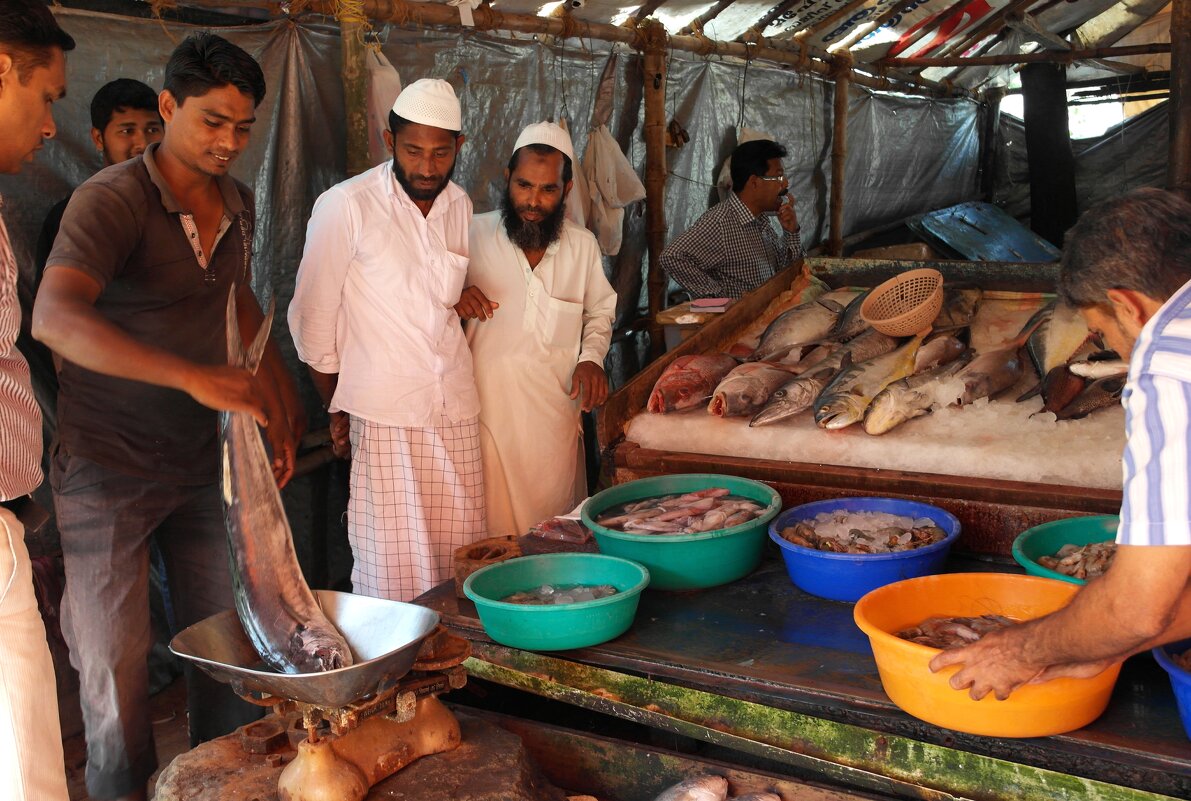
point(1180, 679)
point(846, 576)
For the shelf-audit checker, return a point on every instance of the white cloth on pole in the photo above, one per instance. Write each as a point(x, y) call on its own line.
point(550, 318)
point(384, 85)
point(578, 202)
point(613, 185)
point(417, 494)
point(31, 765)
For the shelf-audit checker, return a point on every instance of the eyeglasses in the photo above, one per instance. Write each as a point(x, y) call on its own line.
point(772, 177)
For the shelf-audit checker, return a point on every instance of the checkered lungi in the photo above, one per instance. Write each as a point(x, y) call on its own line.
point(417, 494)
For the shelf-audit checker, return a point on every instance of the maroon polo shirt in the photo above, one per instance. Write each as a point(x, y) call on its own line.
point(124, 229)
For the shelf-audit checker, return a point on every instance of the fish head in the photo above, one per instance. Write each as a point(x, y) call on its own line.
point(885, 414)
point(316, 650)
point(699, 788)
point(839, 411)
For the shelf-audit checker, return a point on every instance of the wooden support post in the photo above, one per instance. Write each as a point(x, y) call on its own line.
point(654, 77)
point(839, 157)
point(1178, 171)
point(355, 92)
point(1048, 151)
point(988, 143)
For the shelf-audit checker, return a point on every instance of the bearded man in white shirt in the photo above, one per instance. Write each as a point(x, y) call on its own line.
point(539, 312)
point(372, 316)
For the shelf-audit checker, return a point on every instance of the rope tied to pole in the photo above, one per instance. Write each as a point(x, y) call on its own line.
point(804, 52)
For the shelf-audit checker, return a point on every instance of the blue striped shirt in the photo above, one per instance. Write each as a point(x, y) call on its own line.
point(1157, 464)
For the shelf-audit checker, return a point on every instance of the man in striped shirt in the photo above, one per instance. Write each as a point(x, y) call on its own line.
point(732, 249)
point(1127, 268)
point(32, 77)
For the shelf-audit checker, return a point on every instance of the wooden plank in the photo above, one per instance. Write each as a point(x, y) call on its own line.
point(1178, 175)
point(654, 76)
point(839, 160)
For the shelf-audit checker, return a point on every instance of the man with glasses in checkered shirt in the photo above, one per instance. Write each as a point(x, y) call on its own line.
point(733, 249)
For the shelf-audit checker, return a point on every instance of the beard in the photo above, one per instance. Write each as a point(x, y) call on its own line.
point(529, 235)
point(416, 193)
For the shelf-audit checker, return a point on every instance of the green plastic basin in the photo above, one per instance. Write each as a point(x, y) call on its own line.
point(559, 626)
point(1048, 538)
point(687, 561)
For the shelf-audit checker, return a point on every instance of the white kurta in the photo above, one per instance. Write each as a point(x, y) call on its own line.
point(550, 318)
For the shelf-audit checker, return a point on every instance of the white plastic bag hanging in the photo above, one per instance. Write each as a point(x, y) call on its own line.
point(384, 84)
point(613, 184)
point(578, 203)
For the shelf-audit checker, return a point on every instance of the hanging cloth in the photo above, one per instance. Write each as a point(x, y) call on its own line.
point(578, 202)
point(613, 184)
point(384, 84)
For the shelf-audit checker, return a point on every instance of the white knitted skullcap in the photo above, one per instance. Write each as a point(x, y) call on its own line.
point(430, 101)
point(546, 133)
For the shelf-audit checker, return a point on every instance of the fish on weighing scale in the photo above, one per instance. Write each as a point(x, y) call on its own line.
point(354, 726)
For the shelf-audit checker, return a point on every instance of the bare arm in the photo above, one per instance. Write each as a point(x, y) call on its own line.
point(325, 384)
point(66, 321)
point(1138, 602)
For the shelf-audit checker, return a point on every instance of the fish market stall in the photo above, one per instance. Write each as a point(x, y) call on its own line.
point(1001, 467)
point(769, 672)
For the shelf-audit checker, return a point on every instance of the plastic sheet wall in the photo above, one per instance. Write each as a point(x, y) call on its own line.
point(1131, 154)
point(905, 154)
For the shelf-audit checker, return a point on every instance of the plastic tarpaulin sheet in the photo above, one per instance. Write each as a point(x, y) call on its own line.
point(1132, 154)
point(906, 154)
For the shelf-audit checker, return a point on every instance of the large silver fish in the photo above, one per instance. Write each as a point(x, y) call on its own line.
point(700, 788)
point(845, 400)
point(798, 395)
point(796, 328)
point(909, 397)
point(746, 389)
point(850, 323)
point(990, 373)
point(278, 611)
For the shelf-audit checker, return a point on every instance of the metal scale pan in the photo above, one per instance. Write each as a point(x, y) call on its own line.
point(384, 637)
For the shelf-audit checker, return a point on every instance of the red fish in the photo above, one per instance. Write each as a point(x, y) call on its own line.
point(688, 381)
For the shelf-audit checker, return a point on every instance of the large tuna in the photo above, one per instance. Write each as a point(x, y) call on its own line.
point(279, 613)
point(688, 381)
point(797, 328)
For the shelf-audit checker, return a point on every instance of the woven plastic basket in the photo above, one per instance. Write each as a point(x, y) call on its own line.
point(905, 304)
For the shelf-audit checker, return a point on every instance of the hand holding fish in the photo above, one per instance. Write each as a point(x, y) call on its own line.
point(590, 384)
point(226, 388)
point(284, 446)
point(787, 216)
point(475, 305)
point(995, 663)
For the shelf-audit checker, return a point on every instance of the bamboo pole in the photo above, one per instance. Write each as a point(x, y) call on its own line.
point(772, 14)
point(839, 156)
point(870, 26)
point(1178, 171)
point(355, 91)
point(985, 29)
point(696, 25)
point(988, 151)
point(841, 13)
point(654, 77)
point(1039, 57)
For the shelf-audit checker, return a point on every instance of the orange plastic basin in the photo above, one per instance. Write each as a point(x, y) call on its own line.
point(1035, 710)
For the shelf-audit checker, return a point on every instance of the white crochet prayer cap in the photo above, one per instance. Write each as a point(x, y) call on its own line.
point(430, 101)
point(546, 133)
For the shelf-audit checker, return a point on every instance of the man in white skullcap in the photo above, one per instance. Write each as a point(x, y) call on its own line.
point(539, 312)
point(372, 315)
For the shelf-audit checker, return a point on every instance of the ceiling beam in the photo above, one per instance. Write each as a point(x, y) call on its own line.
point(772, 16)
point(842, 13)
point(987, 28)
point(700, 22)
point(870, 26)
point(1109, 27)
point(1028, 26)
point(1004, 59)
point(647, 8)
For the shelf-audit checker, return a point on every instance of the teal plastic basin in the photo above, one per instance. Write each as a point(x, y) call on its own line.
point(560, 626)
point(1048, 538)
point(687, 561)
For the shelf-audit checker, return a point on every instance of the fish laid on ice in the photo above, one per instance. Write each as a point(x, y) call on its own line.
point(700, 788)
point(1059, 332)
point(1099, 394)
point(688, 381)
point(911, 397)
point(278, 611)
point(850, 323)
point(990, 374)
point(938, 351)
point(756, 797)
point(960, 304)
point(1059, 388)
point(800, 326)
point(845, 400)
point(798, 395)
point(746, 389)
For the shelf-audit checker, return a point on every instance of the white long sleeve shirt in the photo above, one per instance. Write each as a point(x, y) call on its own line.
point(374, 301)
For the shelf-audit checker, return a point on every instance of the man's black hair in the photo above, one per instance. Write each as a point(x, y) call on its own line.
point(752, 158)
point(29, 33)
point(396, 123)
point(543, 150)
point(205, 61)
point(1140, 241)
point(122, 94)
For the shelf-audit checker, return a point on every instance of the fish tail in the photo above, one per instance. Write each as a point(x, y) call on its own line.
point(236, 355)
